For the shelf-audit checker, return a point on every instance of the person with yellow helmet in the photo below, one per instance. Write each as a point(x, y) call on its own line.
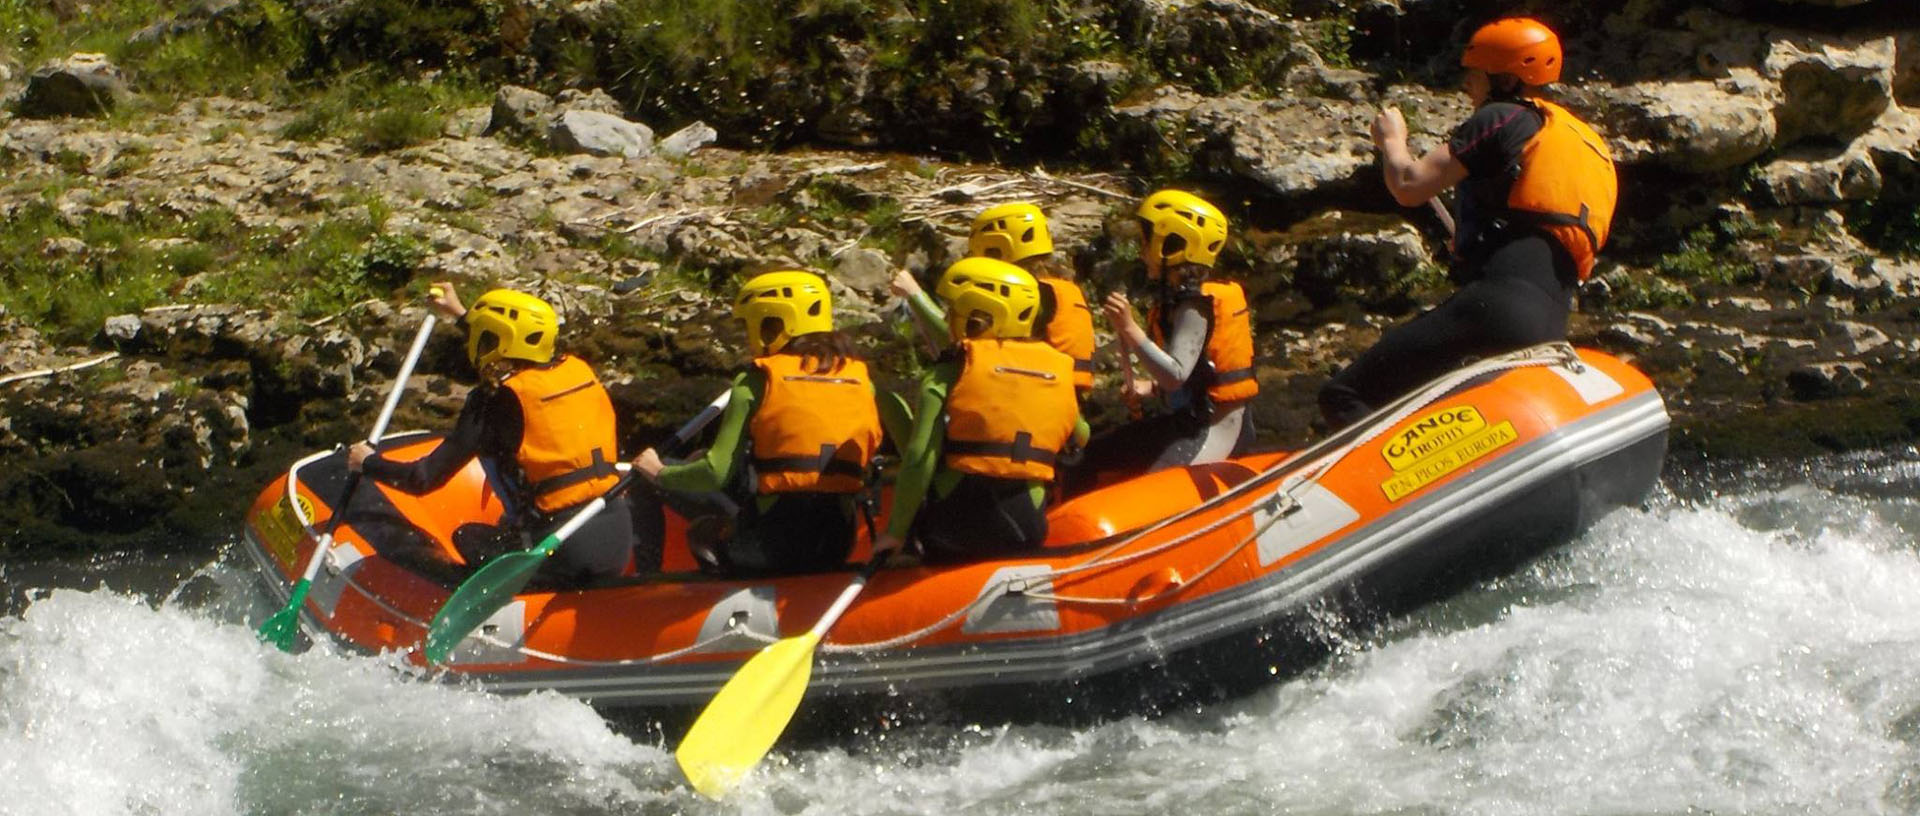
point(1016, 232)
point(794, 445)
point(1536, 203)
point(1197, 348)
point(994, 416)
point(543, 427)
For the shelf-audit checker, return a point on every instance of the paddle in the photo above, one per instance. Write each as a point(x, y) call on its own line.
point(1129, 395)
point(280, 628)
point(496, 582)
point(741, 723)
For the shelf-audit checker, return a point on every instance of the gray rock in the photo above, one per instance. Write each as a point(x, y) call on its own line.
point(1693, 127)
point(1627, 336)
point(1815, 176)
point(688, 139)
point(599, 134)
point(864, 269)
point(594, 99)
point(1831, 88)
point(64, 246)
point(1827, 380)
point(1859, 338)
point(468, 122)
point(123, 328)
point(80, 85)
point(519, 111)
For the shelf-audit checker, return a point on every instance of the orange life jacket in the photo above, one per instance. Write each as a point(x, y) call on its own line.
point(1229, 341)
point(567, 445)
point(1011, 411)
point(1071, 328)
point(1566, 185)
point(813, 433)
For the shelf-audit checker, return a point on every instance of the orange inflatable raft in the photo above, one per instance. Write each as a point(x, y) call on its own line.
point(1486, 466)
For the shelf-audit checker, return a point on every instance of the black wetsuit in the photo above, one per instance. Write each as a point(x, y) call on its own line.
point(1517, 283)
point(489, 426)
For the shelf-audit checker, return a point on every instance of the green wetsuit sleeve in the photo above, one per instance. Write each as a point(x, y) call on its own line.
point(920, 456)
point(929, 311)
point(1081, 431)
point(712, 471)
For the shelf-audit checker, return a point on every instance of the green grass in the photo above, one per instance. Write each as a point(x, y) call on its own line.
point(148, 259)
point(371, 113)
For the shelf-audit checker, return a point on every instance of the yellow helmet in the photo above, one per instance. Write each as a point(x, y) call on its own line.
point(504, 324)
point(798, 299)
point(1010, 232)
point(1181, 228)
point(1005, 294)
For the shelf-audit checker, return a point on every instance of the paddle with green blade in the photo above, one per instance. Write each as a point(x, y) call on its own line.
point(282, 626)
point(739, 726)
point(497, 581)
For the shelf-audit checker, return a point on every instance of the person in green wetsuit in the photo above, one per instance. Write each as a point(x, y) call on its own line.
point(1016, 232)
point(993, 415)
point(794, 445)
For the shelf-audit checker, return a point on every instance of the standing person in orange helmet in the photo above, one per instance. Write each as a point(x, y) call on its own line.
point(1536, 203)
point(1197, 348)
point(1016, 232)
point(542, 425)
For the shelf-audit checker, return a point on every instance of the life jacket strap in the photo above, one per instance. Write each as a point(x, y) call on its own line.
point(1083, 366)
point(1583, 221)
point(1234, 376)
point(825, 463)
point(599, 468)
point(1020, 450)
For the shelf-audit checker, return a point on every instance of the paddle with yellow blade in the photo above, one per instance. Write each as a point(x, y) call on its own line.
point(496, 582)
point(741, 723)
point(280, 628)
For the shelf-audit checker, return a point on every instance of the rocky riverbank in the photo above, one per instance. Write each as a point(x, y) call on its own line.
point(252, 265)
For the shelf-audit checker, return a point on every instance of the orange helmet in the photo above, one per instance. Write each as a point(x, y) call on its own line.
point(1521, 46)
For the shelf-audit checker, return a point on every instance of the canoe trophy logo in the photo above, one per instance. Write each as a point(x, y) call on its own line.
point(280, 528)
point(1438, 444)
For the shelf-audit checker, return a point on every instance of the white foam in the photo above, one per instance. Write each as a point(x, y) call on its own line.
point(1756, 654)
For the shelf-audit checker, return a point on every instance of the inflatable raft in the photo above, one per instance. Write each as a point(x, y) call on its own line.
point(1487, 466)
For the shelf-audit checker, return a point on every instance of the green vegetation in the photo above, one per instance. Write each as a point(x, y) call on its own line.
point(1889, 227)
point(66, 275)
point(373, 114)
point(1711, 254)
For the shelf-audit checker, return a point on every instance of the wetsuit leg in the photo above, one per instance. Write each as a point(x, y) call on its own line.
point(1156, 442)
point(479, 543)
point(1520, 299)
point(981, 518)
point(599, 550)
point(797, 533)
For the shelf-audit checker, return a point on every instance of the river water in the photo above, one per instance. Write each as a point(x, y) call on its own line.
point(1746, 644)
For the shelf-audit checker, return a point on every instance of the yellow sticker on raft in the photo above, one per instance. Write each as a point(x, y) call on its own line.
point(1438, 444)
point(282, 529)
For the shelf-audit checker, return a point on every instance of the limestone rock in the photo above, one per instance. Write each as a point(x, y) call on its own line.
point(864, 269)
point(688, 139)
point(519, 111)
point(593, 99)
point(1827, 380)
point(1831, 88)
point(1692, 126)
point(599, 134)
point(1338, 256)
point(80, 85)
point(1817, 176)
